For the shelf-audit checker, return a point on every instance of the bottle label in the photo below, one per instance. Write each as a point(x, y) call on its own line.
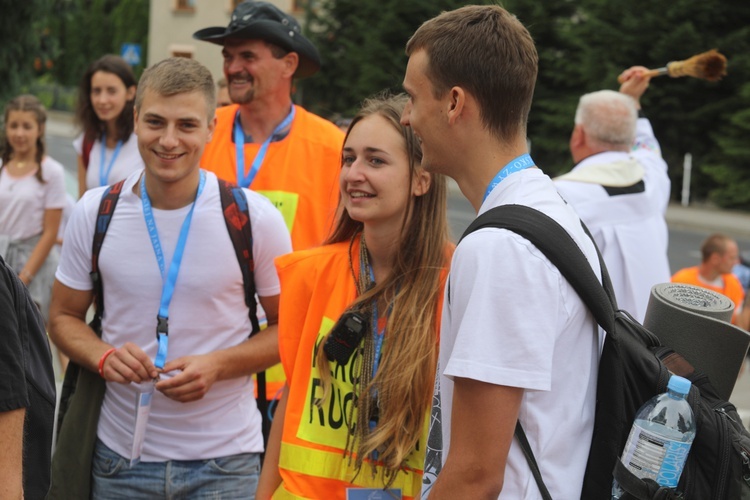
point(650, 456)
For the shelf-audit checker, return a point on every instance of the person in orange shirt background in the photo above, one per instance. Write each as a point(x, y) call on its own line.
point(719, 254)
point(359, 324)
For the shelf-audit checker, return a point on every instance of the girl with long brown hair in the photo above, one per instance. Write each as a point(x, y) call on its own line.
point(32, 196)
point(359, 323)
point(107, 148)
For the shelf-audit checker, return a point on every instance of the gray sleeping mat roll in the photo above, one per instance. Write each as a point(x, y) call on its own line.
point(695, 322)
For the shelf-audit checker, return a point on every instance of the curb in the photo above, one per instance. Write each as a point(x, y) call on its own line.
point(709, 220)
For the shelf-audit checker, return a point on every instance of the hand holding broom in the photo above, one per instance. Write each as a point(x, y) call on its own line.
point(709, 66)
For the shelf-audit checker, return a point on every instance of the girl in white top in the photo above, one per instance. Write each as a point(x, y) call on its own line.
point(107, 148)
point(32, 195)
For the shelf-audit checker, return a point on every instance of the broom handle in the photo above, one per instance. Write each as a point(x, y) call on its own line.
point(650, 73)
point(656, 72)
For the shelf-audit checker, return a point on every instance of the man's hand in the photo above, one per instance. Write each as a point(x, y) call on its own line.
point(634, 83)
point(197, 375)
point(129, 364)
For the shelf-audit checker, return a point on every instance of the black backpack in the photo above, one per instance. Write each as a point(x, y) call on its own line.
point(634, 367)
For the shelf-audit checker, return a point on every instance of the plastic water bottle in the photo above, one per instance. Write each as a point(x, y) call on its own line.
point(660, 438)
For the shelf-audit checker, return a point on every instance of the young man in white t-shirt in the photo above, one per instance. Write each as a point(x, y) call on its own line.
point(517, 343)
point(203, 435)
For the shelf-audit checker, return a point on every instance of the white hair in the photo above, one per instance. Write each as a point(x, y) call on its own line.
point(608, 118)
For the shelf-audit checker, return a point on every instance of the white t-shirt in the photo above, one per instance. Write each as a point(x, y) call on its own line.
point(128, 161)
point(24, 199)
point(629, 228)
point(510, 318)
point(207, 313)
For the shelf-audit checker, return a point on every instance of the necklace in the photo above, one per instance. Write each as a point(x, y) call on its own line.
point(21, 165)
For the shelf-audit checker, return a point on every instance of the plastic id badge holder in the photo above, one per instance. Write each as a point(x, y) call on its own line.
point(144, 395)
point(373, 494)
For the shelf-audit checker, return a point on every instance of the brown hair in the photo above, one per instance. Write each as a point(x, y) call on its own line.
point(489, 53)
point(178, 75)
point(86, 118)
point(406, 376)
point(716, 243)
point(31, 104)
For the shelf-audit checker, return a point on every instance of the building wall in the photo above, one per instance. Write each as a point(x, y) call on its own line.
point(173, 22)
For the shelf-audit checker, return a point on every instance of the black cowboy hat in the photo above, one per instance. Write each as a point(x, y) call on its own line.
point(264, 21)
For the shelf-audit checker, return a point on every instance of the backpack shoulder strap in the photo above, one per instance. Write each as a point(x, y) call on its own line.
point(103, 218)
point(88, 144)
point(237, 217)
point(560, 248)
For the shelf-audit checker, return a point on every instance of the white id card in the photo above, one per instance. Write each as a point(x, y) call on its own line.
point(373, 494)
point(144, 394)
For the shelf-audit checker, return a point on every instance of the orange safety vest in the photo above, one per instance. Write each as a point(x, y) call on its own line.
point(732, 286)
point(300, 175)
point(317, 286)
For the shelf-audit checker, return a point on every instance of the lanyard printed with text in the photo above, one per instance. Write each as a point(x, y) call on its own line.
point(378, 335)
point(105, 171)
point(239, 146)
point(169, 278)
point(515, 165)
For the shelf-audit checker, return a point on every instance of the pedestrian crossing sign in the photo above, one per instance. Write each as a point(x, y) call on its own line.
point(131, 52)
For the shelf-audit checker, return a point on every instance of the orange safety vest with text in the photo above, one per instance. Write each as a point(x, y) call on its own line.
point(317, 286)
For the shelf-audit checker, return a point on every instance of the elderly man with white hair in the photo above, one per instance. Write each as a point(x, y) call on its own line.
point(620, 188)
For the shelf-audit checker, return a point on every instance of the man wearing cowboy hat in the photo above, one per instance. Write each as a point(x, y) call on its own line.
point(264, 141)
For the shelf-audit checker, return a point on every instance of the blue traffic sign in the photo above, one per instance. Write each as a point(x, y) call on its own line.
point(131, 52)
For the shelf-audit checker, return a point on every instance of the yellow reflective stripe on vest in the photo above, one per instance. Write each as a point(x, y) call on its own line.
point(311, 462)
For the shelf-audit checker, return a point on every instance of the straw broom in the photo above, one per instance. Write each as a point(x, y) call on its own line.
point(709, 66)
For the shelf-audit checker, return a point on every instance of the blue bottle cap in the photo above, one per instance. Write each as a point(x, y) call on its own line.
point(679, 384)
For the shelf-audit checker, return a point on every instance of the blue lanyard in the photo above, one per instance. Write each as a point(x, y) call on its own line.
point(515, 165)
point(169, 278)
point(105, 171)
point(239, 146)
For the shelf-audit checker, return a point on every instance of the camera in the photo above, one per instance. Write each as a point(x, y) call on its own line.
point(345, 336)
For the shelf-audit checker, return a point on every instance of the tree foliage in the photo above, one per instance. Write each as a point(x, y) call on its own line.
point(19, 43)
point(88, 29)
point(583, 45)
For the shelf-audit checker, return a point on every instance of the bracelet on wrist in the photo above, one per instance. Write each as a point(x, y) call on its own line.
point(24, 274)
point(103, 359)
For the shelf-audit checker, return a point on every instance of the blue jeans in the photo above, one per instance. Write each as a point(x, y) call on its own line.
point(232, 477)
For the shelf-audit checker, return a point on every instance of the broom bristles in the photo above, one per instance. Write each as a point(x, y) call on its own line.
point(710, 65)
